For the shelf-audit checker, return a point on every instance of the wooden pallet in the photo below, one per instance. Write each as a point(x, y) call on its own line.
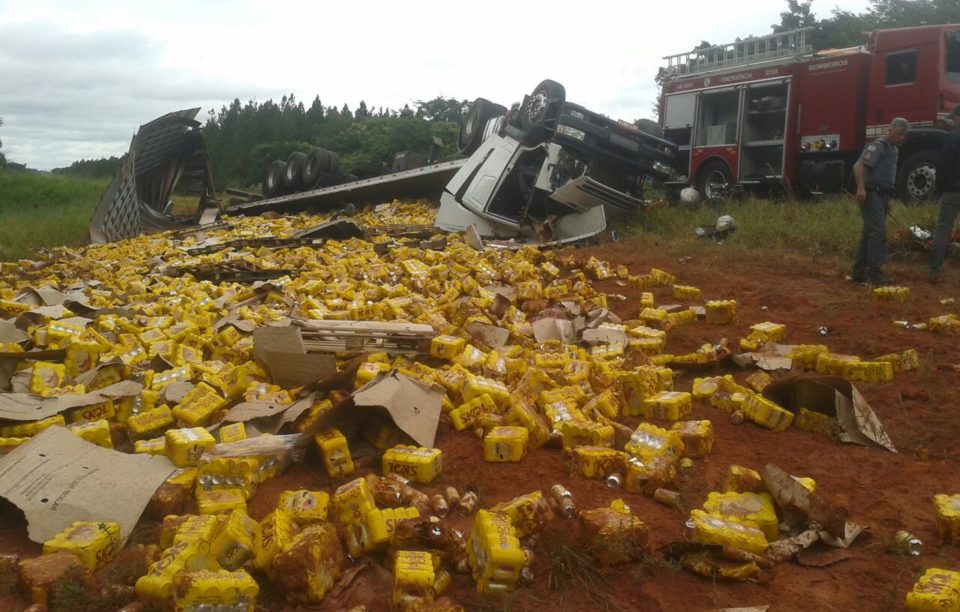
point(366, 337)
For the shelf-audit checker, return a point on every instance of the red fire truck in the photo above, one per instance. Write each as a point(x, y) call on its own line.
point(770, 111)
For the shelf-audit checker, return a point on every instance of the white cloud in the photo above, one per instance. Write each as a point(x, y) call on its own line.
point(77, 79)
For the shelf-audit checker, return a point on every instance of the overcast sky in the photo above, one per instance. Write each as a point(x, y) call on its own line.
point(77, 78)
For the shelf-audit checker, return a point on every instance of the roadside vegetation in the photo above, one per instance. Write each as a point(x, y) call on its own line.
point(44, 210)
point(824, 230)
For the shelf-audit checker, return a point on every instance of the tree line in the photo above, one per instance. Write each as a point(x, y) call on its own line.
point(242, 139)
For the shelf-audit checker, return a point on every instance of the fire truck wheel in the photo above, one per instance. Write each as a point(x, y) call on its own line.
point(293, 175)
point(472, 124)
point(273, 182)
point(713, 180)
point(917, 177)
point(539, 109)
point(317, 163)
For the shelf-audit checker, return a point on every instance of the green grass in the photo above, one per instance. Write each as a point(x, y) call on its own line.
point(830, 227)
point(44, 210)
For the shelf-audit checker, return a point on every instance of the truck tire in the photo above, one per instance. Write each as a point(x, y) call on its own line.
point(293, 175)
point(316, 164)
point(713, 180)
point(472, 124)
point(916, 179)
point(539, 110)
point(273, 181)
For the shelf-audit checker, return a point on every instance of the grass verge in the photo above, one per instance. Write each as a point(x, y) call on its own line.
point(829, 228)
point(44, 210)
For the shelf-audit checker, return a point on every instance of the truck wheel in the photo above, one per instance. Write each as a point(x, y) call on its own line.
point(273, 182)
point(472, 124)
point(293, 175)
point(317, 163)
point(714, 180)
point(539, 109)
point(916, 180)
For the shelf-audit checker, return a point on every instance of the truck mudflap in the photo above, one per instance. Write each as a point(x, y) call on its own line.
point(584, 193)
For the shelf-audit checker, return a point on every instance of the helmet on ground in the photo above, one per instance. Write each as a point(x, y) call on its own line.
point(726, 223)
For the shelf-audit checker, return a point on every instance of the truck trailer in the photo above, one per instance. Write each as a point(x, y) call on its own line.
point(770, 112)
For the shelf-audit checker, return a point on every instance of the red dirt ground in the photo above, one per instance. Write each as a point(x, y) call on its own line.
point(885, 491)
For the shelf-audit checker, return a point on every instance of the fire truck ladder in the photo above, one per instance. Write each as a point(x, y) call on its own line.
point(753, 50)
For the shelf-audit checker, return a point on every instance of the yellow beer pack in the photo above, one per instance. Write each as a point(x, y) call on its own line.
point(741, 479)
point(413, 577)
point(95, 432)
point(375, 531)
point(686, 293)
point(151, 446)
point(242, 473)
point(305, 506)
point(649, 441)
point(447, 347)
point(937, 590)
point(494, 553)
point(751, 509)
point(335, 452)
point(32, 428)
point(186, 446)
point(96, 543)
point(505, 443)
point(667, 406)
point(220, 501)
point(103, 410)
point(150, 422)
point(419, 464)
point(721, 312)
point(198, 405)
point(352, 501)
point(697, 437)
point(948, 516)
point(234, 432)
point(709, 528)
point(233, 545)
point(276, 532)
point(764, 412)
point(220, 589)
point(595, 462)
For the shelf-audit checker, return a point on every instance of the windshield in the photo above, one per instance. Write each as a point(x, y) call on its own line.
point(953, 56)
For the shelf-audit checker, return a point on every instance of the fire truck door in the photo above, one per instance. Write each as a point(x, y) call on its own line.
point(895, 88)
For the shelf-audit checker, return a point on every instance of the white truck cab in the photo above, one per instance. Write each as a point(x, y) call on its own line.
point(551, 170)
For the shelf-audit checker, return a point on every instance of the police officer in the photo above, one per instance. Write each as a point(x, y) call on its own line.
point(948, 184)
point(876, 173)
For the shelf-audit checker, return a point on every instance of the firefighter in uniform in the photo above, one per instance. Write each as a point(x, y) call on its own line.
point(875, 174)
point(948, 184)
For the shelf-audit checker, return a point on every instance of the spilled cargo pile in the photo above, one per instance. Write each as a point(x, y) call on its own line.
point(349, 359)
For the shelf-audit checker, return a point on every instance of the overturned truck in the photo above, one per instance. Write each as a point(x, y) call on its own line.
point(165, 181)
point(546, 169)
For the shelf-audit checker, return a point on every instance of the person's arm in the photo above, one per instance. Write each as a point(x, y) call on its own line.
point(861, 187)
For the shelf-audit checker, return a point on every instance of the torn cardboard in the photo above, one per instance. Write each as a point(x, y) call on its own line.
point(836, 397)
point(413, 406)
point(490, 335)
point(57, 478)
point(27, 407)
point(791, 495)
point(280, 351)
point(11, 334)
point(551, 328)
point(604, 335)
point(770, 357)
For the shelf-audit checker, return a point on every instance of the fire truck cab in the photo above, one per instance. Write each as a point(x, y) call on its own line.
point(770, 111)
